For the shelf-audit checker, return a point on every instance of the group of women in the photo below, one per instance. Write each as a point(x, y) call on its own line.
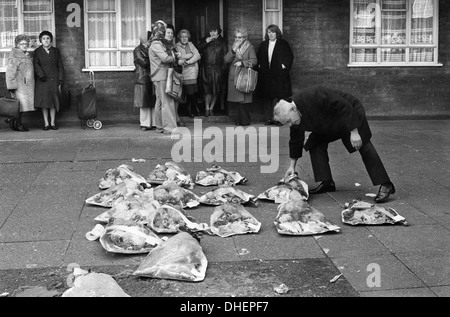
point(204, 66)
point(35, 79)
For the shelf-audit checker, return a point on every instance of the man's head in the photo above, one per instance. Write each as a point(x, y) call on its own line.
point(286, 113)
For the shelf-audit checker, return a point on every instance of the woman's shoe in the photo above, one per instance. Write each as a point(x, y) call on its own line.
point(53, 127)
point(206, 113)
point(211, 112)
point(46, 128)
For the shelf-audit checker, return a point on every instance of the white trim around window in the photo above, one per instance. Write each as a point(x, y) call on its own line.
point(382, 33)
point(272, 14)
point(109, 53)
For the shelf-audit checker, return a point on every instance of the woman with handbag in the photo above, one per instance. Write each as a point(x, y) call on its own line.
point(49, 72)
point(20, 80)
point(242, 55)
point(189, 61)
point(161, 58)
point(275, 60)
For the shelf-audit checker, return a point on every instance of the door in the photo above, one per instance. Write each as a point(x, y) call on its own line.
point(197, 15)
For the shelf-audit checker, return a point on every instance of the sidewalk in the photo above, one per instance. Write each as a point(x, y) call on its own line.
point(47, 175)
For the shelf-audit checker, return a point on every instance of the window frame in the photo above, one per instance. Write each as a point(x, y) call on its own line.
point(406, 47)
point(20, 21)
point(280, 16)
point(119, 49)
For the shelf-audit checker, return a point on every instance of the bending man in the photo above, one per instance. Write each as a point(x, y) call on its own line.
point(330, 115)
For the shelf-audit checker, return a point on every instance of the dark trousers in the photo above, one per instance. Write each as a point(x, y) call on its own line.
point(268, 105)
point(372, 162)
point(243, 114)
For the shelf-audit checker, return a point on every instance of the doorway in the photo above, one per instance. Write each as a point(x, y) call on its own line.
point(196, 16)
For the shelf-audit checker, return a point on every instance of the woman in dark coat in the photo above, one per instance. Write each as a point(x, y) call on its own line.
point(143, 87)
point(212, 49)
point(275, 60)
point(49, 72)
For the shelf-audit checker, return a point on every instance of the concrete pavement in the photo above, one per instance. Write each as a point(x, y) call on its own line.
point(45, 177)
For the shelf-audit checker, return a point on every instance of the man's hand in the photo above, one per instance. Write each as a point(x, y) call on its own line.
point(291, 169)
point(355, 139)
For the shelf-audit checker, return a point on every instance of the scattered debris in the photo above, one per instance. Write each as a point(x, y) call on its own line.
point(357, 184)
point(138, 160)
point(4, 295)
point(281, 289)
point(371, 195)
point(334, 279)
point(95, 285)
point(95, 233)
point(244, 252)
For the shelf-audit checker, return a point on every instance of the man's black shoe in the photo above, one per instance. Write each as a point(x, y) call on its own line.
point(324, 187)
point(385, 191)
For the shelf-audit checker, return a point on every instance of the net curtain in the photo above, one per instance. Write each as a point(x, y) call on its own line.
point(102, 30)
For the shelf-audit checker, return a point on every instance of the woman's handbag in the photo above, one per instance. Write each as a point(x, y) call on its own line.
point(245, 79)
point(9, 107)
point(174, 85)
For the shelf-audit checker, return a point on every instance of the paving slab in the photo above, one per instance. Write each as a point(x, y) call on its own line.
point(32, 254)
point(418, 237)
point(409, 292)
point(441, 291)
point(433, 268)
point(359, 271)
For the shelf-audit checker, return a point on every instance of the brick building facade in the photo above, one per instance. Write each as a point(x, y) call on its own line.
point(318, 32)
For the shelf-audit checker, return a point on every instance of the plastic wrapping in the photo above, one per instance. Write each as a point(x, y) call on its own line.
point(179, 258)
point(227, 194)
point(115, 194)
point(362, 213)
point(128, 237)
point(217, 176)
point(167, 219)
point(288, 188)
point(233, 219)
point(135, 209)
point(171, 193)
point(299, 218)
point(171, 171)
point(117, 175)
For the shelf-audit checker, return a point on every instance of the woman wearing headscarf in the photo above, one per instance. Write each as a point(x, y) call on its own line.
point(160, 60)
point(189, 61)
point(242, 54)
point(143, 90)
point(20, 79)
point(49, 72)
point(275, 60)
point(212, 49)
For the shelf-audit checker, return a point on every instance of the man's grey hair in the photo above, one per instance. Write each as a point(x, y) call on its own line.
point(283, 110)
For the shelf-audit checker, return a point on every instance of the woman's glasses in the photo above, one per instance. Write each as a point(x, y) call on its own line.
point(23, 44)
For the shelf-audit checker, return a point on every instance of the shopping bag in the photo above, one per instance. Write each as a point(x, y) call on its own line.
point(87, 101)
point(9, 107)
point(174, 85)
point(245, 79)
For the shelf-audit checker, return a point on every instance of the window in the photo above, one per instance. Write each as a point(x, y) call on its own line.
point(112, 31)
point(29, 17)
point(394, 33)
point(272, 14)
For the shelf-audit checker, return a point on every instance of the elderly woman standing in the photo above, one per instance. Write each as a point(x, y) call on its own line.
point(275, 60)
point(49, 72)
point(20, 79)
point(160, 61)
point(189, 60)
point(242, 54)
point(143, 92)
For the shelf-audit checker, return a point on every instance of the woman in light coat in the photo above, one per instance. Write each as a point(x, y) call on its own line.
point(189, 61)
point(20, 79)
point(160, 60)
point(242, 54)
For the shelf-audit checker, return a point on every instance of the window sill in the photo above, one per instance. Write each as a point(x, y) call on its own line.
point(128, 69)
point(396, 65)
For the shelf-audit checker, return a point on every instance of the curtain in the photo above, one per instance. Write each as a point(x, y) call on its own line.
point(364, 30)
point(102, 32)
point(133, 25)
point(393, 30)
point(422, 30)
point(272, 17)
